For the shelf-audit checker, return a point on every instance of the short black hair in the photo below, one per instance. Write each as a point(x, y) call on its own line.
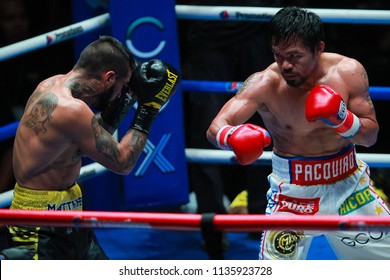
point(294, 23)
point(105, 54)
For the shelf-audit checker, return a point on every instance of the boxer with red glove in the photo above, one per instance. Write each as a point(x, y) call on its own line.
point(247, 141)
point(324, 103)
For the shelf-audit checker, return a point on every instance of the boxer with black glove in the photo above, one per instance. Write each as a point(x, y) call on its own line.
point(117, 109)
point(153, 82)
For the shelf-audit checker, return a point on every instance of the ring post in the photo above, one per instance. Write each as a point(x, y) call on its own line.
point(160, 177)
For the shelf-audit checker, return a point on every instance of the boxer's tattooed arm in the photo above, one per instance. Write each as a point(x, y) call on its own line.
point(137, 141)
point(41, 113)
point(367, 91)
point(247, 83)
point(104, 143)
point(108, 147)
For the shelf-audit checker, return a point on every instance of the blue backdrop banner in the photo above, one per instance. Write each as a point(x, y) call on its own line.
point(159, 179)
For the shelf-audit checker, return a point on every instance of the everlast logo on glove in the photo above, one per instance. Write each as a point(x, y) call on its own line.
point(154, 83)
point(168, 87)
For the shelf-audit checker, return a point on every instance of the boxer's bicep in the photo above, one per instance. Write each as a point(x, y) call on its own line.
point(83, 128)
point(103, 142)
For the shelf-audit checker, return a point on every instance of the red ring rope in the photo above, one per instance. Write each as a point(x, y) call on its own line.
point(173, 221)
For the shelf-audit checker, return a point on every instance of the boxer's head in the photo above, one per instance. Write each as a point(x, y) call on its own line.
point(110, 64)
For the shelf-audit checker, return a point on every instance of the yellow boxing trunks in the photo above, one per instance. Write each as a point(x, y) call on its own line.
point(54, 242)
point(70, 199)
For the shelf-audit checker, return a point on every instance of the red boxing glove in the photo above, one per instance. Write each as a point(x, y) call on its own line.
point(246, 141)
point(327, 105)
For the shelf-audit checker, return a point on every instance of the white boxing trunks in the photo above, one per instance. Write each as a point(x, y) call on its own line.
point(332, 185)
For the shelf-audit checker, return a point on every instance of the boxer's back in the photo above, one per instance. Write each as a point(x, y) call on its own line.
point(44, 155)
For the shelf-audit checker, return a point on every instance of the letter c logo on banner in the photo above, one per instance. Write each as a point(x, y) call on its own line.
point(134, 25)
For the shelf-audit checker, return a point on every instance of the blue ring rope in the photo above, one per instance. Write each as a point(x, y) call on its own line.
point(377, 93)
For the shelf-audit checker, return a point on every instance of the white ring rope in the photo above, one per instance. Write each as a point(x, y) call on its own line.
point(227, 157)
point(206, 156)
point(53, 37)
point(189, 12)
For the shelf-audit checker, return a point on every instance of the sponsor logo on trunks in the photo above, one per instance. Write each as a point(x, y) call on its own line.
point(363, 238)
point(300, 206)
point(282, 245)
point(271, 194)
point(355, 201)
point(312, 172)
point(75, 204)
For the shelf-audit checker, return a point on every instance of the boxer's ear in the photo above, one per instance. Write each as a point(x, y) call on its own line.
point(109, 78)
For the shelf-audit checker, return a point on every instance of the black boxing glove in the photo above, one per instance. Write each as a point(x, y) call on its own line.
point(154, 83)
point(117, 109)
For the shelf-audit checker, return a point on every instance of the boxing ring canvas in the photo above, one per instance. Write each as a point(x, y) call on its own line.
point(143, 244)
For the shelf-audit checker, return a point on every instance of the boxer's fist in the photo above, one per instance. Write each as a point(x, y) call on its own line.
point(323, 103)
point(247, 141)
point(154, 82)
point(117, 109)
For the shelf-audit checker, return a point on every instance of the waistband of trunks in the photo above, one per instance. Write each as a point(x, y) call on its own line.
point(28, 199)
point(307, 171)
